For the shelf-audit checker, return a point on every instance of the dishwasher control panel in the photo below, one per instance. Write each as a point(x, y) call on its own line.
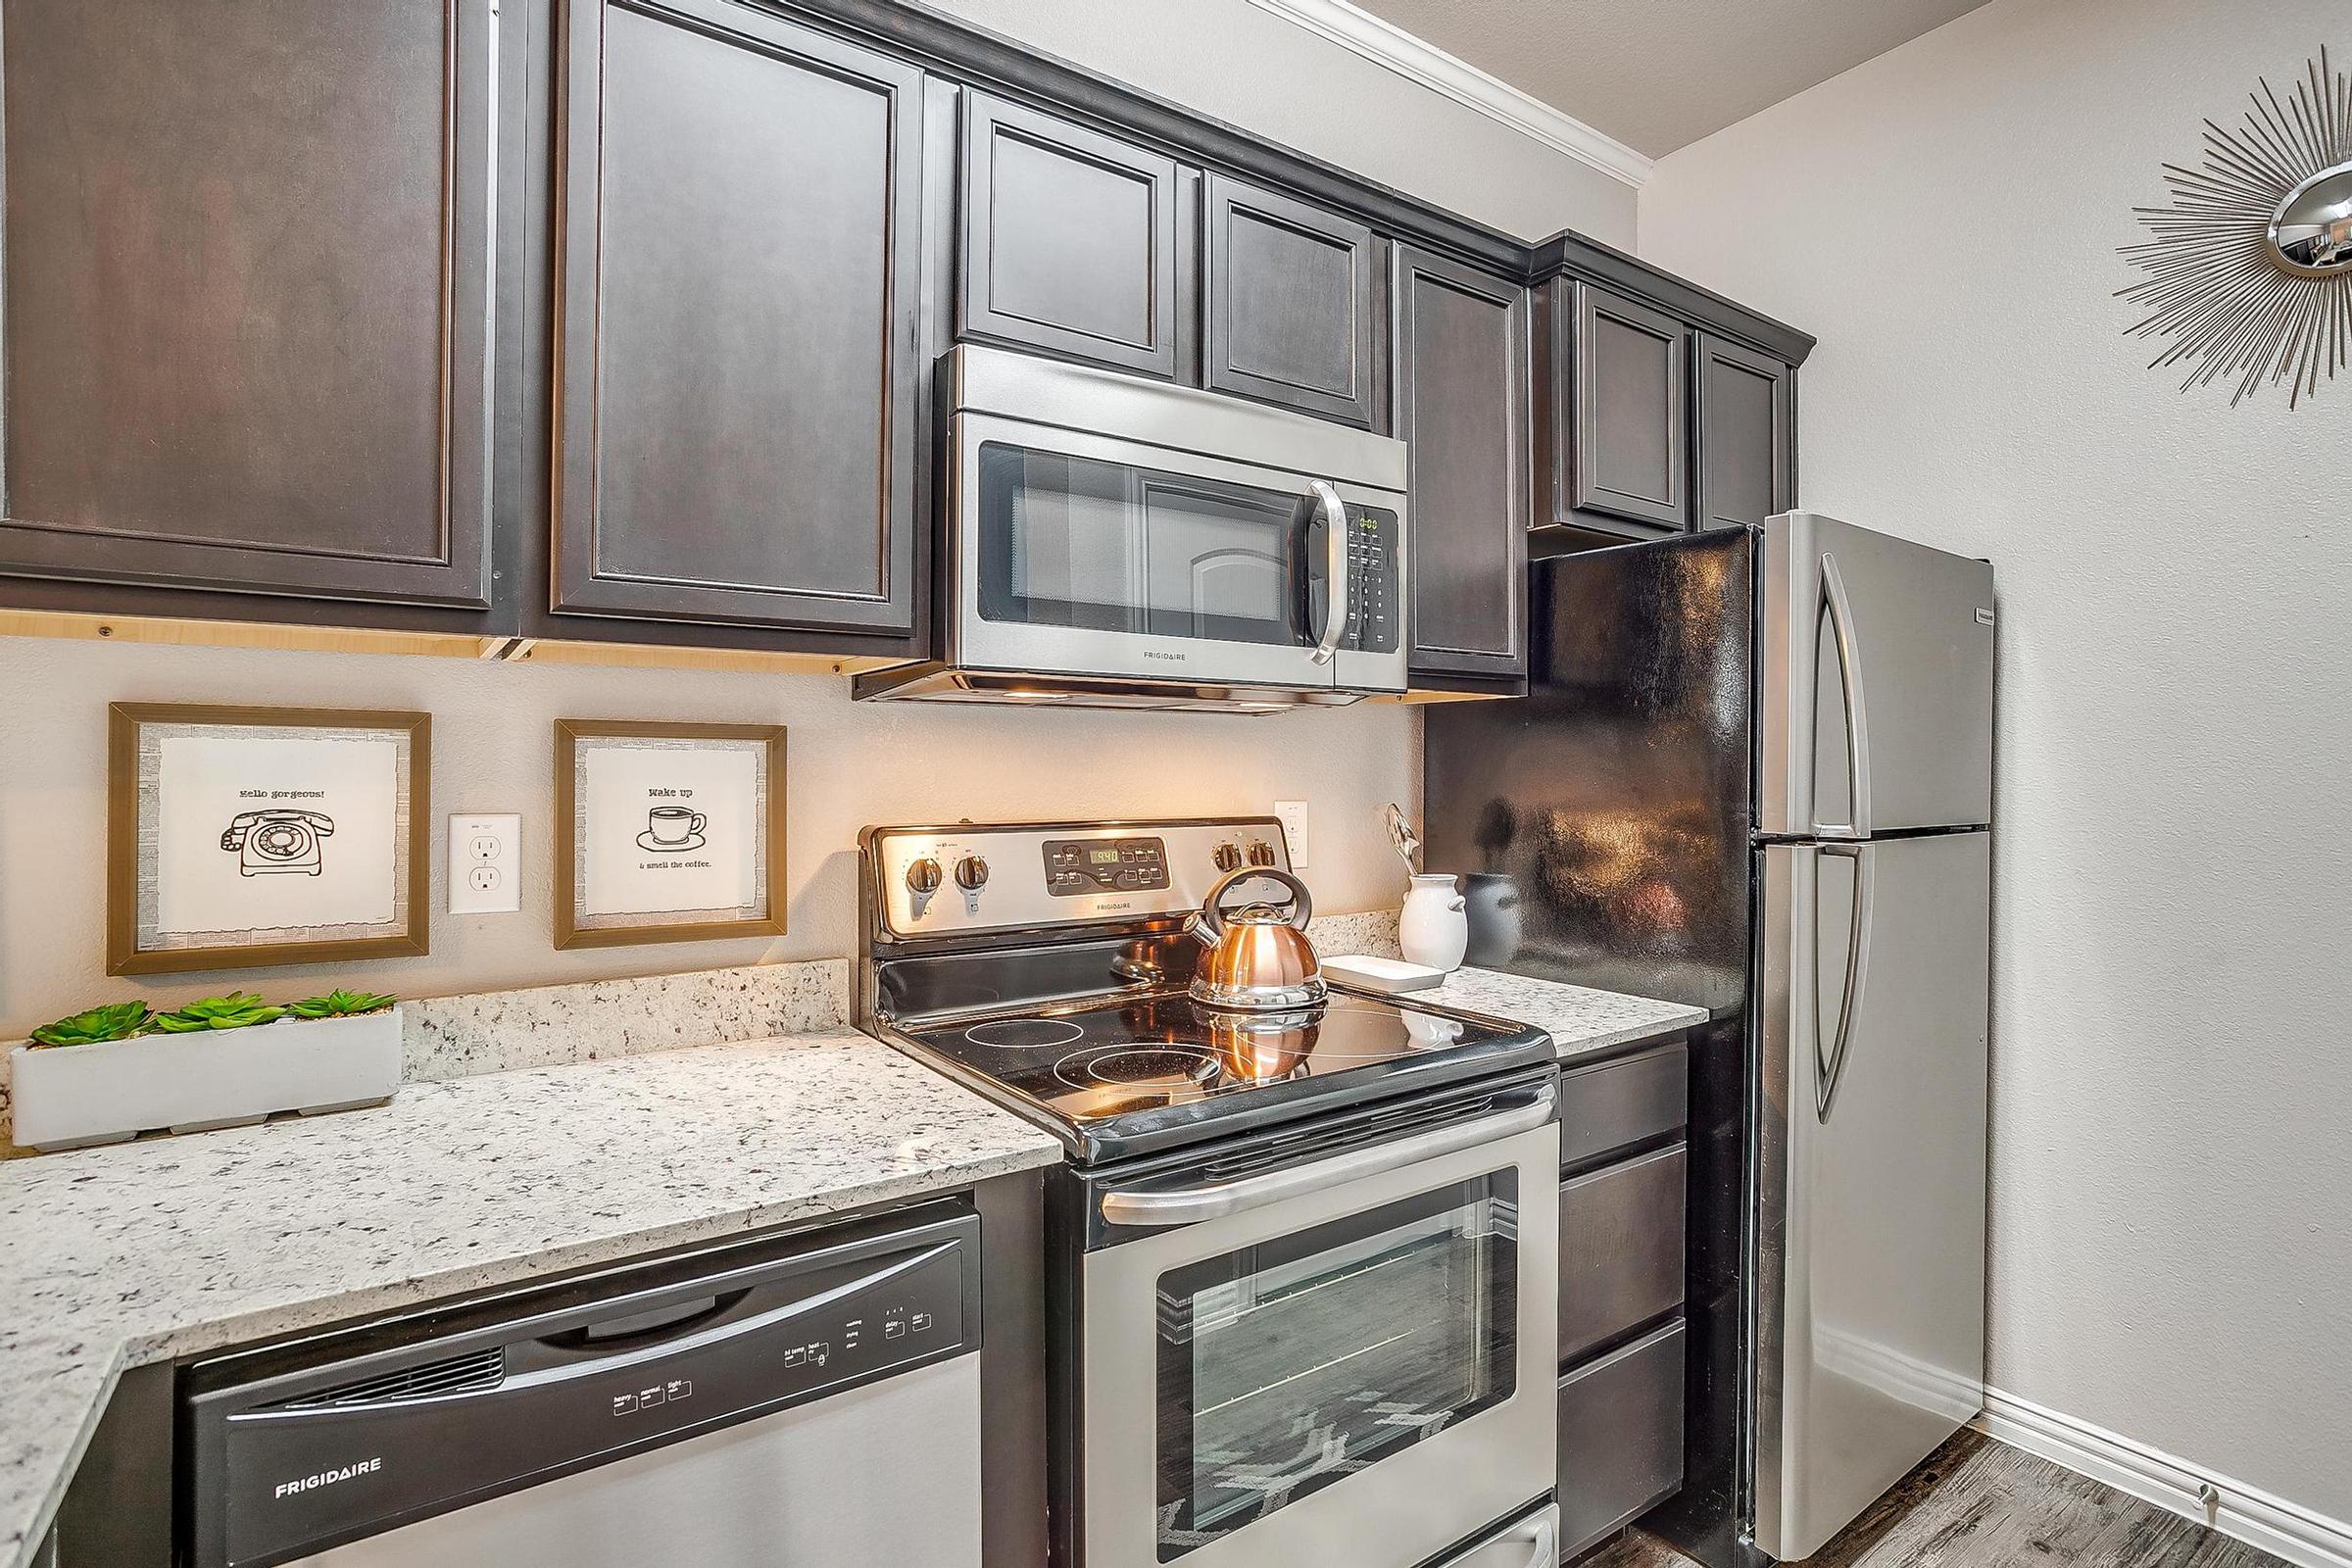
point(504, 1396)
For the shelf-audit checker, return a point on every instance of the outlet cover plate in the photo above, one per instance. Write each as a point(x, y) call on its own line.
point(1292, 815)
point(485, 864)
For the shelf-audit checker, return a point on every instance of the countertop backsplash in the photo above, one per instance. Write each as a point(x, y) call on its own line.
point(596, 1020)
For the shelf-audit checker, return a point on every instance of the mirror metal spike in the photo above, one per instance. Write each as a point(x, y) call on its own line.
point(2249, 271)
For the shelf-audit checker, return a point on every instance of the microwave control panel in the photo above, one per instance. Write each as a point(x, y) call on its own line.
point(1374, 610)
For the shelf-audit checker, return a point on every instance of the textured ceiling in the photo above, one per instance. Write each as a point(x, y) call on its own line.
point(1658, 75)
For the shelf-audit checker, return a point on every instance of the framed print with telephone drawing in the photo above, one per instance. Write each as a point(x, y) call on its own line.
point(254, 837)
point(668, 832)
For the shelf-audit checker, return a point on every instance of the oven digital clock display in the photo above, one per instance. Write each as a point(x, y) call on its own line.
point(1080, 866)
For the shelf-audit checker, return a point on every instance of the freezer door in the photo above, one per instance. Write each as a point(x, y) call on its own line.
point(1870, 1265)
point(1876, 683)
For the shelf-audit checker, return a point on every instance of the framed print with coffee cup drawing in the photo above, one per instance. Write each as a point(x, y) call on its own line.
point(254, 837)
point(668, 832)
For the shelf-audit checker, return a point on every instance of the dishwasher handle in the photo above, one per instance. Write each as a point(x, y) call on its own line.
point(667, 1322)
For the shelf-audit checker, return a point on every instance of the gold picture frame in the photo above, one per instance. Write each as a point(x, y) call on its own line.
point(596, 849)
point(156, 918)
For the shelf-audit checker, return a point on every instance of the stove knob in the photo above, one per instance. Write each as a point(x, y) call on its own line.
point(923, 876)
point(1229, 856)
point(971, 873)
point(1260, 853)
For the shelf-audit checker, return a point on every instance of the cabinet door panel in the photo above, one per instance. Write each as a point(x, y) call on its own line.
point(1461, 369)
point(1629, 447)
point(1071, 240)
point(248, 293)
point(1743, 416)
point(739, 272)
point(1292, 303)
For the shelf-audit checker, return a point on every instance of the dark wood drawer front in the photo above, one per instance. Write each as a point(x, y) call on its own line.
point(248, 295)
point(738, 391)
point(1621, 1249)
point(1630, 444)
point(1614, 1105)
point(1294, 304)
point(1621, 1437)
point(1071, 240)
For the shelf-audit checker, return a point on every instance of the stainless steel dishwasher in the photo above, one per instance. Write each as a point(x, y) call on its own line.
point(808, 1401)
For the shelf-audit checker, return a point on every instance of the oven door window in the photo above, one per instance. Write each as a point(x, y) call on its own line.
point(1289, 1364)
point(1110, 546)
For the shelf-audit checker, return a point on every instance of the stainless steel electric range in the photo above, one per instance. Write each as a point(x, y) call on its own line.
point(1303, 1272)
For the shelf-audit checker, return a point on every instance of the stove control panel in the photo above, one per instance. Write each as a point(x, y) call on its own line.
point(1079, 867)
point(979, 878)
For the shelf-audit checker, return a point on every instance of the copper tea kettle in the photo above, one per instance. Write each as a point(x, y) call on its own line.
point(1259, 955)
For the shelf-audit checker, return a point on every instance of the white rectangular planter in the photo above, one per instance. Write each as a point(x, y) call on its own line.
point(67, 1096)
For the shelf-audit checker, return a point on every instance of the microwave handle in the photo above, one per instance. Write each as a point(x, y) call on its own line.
point(1334, 568)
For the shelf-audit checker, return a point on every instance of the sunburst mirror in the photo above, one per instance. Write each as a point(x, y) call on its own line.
point(2250, 269)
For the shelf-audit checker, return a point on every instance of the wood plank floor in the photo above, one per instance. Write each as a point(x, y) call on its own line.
point(1978, 1504)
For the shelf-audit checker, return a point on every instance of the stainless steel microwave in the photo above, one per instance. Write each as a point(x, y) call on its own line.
point(1112, 541)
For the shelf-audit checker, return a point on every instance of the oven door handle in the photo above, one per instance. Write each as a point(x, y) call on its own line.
point(1191, 1204)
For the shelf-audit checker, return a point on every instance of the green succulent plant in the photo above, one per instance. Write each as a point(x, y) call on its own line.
point(340, 1003)
point(117, 1020)
point(236, 1011)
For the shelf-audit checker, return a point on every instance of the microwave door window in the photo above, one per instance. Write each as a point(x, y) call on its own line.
point(1110, 546)
point(1289, 1364)
point(1218, 563)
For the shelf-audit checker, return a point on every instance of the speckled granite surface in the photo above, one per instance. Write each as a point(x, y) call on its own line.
point(499, 1031)
point(1373, 934)
point(147, 1250)
point(1578, 1018)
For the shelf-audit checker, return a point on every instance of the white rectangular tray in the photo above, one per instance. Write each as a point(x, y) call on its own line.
point(1390, 975)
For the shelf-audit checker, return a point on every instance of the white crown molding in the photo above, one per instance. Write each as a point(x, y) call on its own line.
point(2239, 1512)
point(1387, 44)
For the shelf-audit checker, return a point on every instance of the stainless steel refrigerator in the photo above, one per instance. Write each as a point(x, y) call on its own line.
point(1753, 773)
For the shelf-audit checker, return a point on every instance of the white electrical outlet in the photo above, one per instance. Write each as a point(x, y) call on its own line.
point(485, 865)
point(1294, 830)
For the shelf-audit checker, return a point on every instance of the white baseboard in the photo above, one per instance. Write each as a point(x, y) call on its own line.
point(2277, 1525)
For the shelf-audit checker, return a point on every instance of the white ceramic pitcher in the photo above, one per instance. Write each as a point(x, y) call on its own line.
point(1433, 929)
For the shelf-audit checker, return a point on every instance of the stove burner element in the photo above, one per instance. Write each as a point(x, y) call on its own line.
point(1137, 1064)
point(1024, 1034)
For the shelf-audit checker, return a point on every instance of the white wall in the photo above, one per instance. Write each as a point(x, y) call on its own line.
point(847, 764)
point(1249, 68)
point(2172, 1251)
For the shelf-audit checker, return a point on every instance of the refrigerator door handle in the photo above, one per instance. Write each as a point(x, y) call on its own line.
point(1857, 723)
point(1828, 1069)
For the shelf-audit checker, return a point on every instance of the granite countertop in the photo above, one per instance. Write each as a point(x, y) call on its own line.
point(145, 1251)
point(1579, 1019)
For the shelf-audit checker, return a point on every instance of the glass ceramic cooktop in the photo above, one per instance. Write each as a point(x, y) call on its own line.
point(1120, 1069)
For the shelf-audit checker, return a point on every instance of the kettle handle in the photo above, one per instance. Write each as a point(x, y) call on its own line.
point(1212, 916)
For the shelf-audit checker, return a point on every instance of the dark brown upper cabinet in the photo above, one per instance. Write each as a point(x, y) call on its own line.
point(1461, 369)
point(739, 272)
point(1743, 411)
point(1294, 304)
point(1075, 242)
point(1620, 435)
point(248, 297)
